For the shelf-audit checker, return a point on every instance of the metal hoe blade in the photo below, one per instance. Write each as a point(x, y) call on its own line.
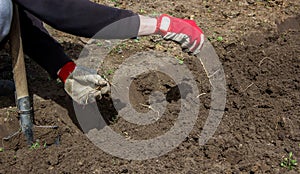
point(25, 114)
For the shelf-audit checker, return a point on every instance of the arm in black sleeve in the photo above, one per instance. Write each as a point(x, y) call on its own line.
point(82, 17)
point(40, 46)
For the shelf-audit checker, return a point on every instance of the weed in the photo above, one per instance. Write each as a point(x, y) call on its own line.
point(118, 49)
point(114, 162)
point(154, 14)
point(105, 74)
point(214, 38)
point(117, 3)
point(114, 119)
point(289, 162)
point(1, 149)
point(220, 38)
point(110, 72)
point(142, 11)
point(180, 60)
point(35, 145)
point(99, 44)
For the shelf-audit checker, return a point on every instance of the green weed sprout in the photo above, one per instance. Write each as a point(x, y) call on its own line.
point(180, 60)
point(35, 145)
point(1, 149)
point(289, 162)
point(110, 72)
point(220, 38)
point(99, 44)
point(214, 38)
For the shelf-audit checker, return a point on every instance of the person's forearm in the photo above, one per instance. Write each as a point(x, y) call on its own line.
point(79, 17)
point(40, 46)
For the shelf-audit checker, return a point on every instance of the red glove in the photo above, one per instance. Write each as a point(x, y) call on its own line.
point(184, 31)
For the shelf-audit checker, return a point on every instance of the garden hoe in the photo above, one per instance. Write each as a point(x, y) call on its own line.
point(19, 74)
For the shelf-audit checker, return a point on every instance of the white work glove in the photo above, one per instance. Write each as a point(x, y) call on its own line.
point(82, 84)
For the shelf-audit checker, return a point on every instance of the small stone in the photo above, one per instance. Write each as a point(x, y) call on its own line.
point(80, 163)
point(250, 1)
point(124, 171)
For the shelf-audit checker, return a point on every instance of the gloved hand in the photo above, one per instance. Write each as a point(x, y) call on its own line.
point(184, 31)
point(83, 85)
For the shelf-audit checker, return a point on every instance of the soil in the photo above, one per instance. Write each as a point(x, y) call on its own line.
point(260, 54)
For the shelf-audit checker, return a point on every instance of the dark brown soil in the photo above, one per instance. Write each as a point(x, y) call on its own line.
point(261, 59)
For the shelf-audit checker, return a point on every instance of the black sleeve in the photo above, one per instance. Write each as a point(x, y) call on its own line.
point(81, 17)
point(40, 46)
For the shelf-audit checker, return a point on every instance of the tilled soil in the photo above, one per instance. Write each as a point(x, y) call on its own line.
point(259, 51)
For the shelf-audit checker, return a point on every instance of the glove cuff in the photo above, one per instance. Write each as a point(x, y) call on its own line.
point(66, 70)
point(163, 24)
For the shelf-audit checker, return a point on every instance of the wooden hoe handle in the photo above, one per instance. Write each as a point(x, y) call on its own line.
point(22, 95)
